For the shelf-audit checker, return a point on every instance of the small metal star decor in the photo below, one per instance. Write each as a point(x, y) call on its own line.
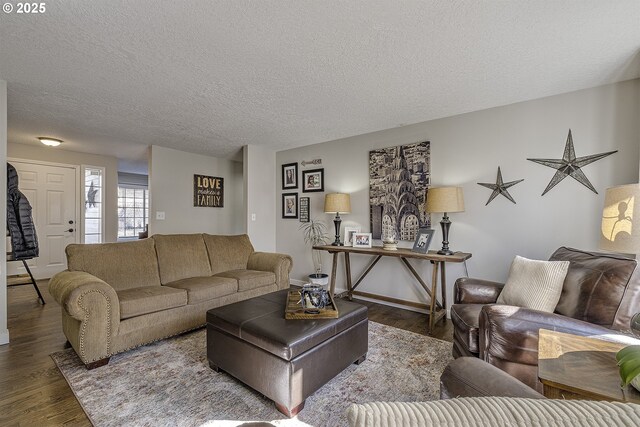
point(569, 165)
point(500, 187)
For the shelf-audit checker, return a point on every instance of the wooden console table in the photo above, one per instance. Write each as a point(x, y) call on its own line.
point(436, 310)
point(576, 367)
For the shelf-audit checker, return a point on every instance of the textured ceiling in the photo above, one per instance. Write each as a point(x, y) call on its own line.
point(112, 77)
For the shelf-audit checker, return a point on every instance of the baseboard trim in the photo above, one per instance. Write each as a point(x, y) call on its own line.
point(4, 337)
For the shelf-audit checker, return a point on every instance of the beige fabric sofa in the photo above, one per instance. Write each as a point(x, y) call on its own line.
point(116, 296)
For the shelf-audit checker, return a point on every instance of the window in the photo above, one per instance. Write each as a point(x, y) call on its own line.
point(93, 223)
point(133, 210)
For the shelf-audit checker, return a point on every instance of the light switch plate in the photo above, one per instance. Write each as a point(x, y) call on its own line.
point(160, 215)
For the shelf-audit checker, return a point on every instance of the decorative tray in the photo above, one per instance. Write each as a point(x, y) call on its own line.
point(295, 309)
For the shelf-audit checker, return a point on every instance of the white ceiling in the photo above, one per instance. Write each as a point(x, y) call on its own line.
point(113, 77)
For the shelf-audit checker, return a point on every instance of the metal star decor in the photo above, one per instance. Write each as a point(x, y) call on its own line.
point(500, 187)
point(569, 165)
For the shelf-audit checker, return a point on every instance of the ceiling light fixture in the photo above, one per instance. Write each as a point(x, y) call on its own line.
point(51, 142)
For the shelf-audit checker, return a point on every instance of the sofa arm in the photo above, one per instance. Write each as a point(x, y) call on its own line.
point(467, 290)
point(279, 264)
point(472, 377)
point(511, 333)
point(91, 313)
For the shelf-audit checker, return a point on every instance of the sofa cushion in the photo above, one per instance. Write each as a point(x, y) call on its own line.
point(466, 321)
point(594, 286)
point(201, 289)
point(534, 284)
point(149, 299)
point(122, 265)
point(250, 279)
point(228, 252)
point(181, 256)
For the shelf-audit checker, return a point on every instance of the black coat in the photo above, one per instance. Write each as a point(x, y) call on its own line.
point(24, 241)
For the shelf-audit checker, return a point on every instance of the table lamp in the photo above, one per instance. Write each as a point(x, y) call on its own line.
point(620, 230)
point(337, 203)
point(445, 199)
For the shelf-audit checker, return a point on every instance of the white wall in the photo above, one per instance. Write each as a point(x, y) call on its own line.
point(171, 191)
point(259, 165)
point(4, 331)
point(468, 149)
point(60, 155)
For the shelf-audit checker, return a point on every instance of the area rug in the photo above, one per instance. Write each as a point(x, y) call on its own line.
point(169, 383)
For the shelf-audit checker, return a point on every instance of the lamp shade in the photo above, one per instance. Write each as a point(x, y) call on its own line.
point(620, 231)
point(337, 203)
point(445, 199)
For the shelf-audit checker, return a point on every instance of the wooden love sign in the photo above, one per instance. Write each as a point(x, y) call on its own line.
point(208, 191)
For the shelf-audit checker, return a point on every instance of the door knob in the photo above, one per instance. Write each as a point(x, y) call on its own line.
point(70, 221)
point(70, 230)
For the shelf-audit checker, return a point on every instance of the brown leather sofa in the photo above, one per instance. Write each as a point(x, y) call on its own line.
point(601, 292)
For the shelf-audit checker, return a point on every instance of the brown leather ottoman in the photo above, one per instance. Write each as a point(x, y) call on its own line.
point(285, 360)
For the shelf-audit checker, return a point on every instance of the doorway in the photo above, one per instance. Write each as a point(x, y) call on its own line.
point(53, 191)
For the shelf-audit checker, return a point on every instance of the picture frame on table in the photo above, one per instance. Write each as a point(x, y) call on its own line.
point(423, 240)
point(289, 176)
point(348, 235)
point(361, 240)
point(312, 180)
point(290, 205)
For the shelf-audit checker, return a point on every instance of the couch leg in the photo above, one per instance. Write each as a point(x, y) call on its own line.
point(215, 367)
point(361, 359)
point(97, 363)
point(289, 412)
point(67, 344)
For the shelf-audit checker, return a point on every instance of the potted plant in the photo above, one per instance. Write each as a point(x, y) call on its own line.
point(629, 362)
point(315, 233)
point(629, 358)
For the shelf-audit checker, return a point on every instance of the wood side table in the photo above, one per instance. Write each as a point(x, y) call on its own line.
point(437, 311)
point(576, 367)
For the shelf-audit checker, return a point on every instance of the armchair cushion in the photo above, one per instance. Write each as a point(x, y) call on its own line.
point(534, 284)
point(149, 299)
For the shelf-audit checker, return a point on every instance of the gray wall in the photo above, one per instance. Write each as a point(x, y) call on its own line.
point(4, 331)
point(259, 165)
point(468, 149)
point(60, 155)
point(171, 191)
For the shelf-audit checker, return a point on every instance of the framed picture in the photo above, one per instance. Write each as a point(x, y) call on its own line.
point(423, 240)
point(361, 240)
point(304, 209)
point(289, 205)
point(289, 176)
point(348, 235)
point(312, 180)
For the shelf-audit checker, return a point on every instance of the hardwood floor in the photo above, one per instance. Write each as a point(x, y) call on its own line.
point(34, 393)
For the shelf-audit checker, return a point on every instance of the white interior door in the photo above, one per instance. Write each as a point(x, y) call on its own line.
point(52, 192)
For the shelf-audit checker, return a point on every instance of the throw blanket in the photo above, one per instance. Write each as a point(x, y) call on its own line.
point(495, 411)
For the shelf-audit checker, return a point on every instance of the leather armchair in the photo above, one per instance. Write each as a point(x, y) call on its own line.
point(600, 293)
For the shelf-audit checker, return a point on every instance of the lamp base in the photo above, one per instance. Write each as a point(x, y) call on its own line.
point(445, 224)
point(336, 222)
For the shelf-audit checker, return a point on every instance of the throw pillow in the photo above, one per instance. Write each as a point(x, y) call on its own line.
point(534, 284)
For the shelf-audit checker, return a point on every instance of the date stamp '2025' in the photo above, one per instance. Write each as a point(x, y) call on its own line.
point(20, 8)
